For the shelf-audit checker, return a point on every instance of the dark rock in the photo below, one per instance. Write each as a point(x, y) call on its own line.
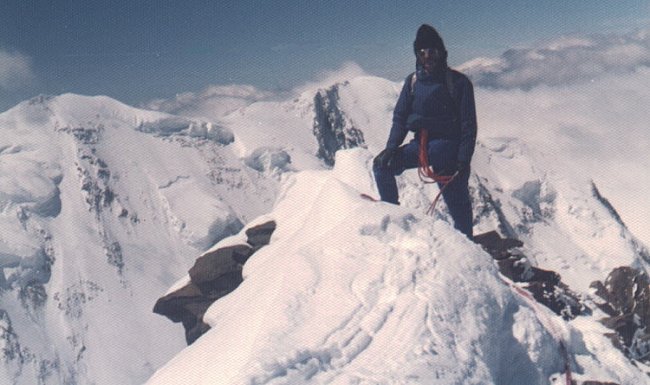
point(210, 266)
point(173, 305)
point(624, 326)
point(627, 290)
point(194, 329)
point(545, 285)
point(214, 275)
point(596, 194)
point(625, 298)
point(499, 248)
point(486, 207)
point(259, 236)
point(332, 129)
point(557, 297)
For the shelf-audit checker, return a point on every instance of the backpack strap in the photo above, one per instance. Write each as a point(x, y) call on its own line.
point(449, 82)
point(449, 85)
point(414, 78)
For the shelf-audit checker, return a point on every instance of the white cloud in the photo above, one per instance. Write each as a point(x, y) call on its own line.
point(15, 70)
point(213, 102)
point(598, 129)
point(217, 101)
point(327, 78)
point(566, 60)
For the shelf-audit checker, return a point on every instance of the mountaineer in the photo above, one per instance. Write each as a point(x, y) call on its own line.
point(437, 104)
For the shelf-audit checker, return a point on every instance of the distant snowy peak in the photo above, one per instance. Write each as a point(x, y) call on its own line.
point(518, 191)
point(74, 112)
point(345, 110)
point(212, 102)
point(99, 137)
point(100, 206)
point(332, 128)
point(305, 131)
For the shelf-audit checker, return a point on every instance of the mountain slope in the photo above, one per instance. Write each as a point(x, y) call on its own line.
point(285, 323)
point(352, 291)
point(105, 206)
point(102, 204)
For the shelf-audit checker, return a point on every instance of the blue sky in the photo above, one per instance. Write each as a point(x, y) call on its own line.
point(138, 50)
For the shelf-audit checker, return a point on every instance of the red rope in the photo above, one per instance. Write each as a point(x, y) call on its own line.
point(427, 174)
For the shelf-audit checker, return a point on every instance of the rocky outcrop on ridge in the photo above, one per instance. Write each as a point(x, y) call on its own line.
point(214, 274)
point(545, 286)
point(332, 128)
point(625, 297)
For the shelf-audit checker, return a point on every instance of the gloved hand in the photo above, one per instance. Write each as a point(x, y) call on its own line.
point(385, 159)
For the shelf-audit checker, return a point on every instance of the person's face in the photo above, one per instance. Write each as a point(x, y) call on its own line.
point(430, 58)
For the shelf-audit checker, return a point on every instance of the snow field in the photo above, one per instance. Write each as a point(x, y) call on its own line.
point(89, 206)
point(351, 291)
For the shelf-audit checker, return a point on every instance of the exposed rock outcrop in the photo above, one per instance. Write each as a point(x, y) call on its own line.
point(214, 274)
point(333, 130)
point(546, 286)
point(625, 297)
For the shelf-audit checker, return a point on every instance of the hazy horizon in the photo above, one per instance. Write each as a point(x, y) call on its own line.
point(140, 51)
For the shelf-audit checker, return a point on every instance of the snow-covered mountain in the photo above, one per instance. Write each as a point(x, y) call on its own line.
point(103, 206)
point(352, 291)
point(106, 207)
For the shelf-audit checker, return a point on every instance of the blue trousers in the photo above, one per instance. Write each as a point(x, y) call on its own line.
point(442, 156)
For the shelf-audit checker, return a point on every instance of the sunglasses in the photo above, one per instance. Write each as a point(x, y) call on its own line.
point(433, 53)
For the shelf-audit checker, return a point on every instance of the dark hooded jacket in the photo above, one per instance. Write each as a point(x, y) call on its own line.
point(429, 104)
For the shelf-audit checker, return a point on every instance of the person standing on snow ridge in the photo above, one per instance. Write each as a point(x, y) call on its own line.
point(438, 105)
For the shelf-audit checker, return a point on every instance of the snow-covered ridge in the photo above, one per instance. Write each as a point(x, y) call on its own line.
point(353, 291)
point(104, 206)
point(566, 223)
point(96, 195)
point(111, 205)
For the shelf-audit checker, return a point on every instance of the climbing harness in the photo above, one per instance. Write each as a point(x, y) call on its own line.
point(427, 174)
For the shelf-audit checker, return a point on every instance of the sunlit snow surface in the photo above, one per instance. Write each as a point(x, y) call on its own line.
point(104, 207)
point(351, 291)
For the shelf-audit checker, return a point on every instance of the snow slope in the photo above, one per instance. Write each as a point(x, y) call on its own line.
point(101, 205)
point(351, 291)
point(104, 207)
point(356, 292)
